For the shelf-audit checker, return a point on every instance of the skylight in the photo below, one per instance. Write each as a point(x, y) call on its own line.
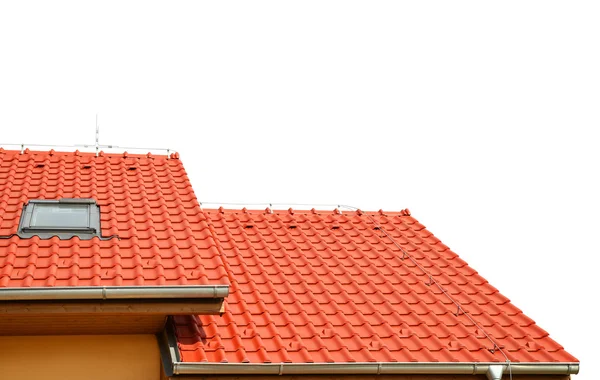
point(64, 218)
point(60, 215)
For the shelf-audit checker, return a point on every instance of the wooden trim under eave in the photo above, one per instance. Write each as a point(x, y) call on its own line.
point(166, 307)
point(97, 317)
point(84, 324)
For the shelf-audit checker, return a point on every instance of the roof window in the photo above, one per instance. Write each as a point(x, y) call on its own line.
point(64, 218)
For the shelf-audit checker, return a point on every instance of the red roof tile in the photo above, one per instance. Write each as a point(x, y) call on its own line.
point(306, 286)
point(312, 286)
point(156, 231)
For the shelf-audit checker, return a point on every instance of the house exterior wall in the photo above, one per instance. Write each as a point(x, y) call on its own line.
point(90, 357)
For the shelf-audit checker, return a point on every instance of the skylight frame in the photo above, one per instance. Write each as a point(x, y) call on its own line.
point(85, 232)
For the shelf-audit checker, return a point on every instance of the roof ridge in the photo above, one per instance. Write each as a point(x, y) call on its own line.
point(171, 154)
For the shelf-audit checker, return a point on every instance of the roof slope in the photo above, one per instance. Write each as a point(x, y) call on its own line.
point(153, 230)
point(311, 286)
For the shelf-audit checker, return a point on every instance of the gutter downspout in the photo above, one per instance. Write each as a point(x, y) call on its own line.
point(114, 292)
point(495, 372)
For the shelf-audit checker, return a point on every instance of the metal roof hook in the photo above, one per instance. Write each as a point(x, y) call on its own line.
point(458, 310)
point(495, 372)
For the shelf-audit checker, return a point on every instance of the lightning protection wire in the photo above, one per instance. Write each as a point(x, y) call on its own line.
point(432, 281)
point(429, 276)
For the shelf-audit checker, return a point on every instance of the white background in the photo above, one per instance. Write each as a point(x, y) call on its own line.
point(480, 117)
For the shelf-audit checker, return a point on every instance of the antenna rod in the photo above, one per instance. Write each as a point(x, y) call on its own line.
point(97, 136)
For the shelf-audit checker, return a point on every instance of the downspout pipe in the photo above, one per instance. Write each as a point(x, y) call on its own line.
point(114, 292)
point(494, 372)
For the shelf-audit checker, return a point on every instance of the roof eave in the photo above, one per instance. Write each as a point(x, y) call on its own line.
point(103, 309)
point(173, 365)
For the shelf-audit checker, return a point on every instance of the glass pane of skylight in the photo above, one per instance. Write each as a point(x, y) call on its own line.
point(60, 215)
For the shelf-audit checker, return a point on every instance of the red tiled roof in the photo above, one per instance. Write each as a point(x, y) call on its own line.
point(306, 286)
point(311, 286)
point(159, 234)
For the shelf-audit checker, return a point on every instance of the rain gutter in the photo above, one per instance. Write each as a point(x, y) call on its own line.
point(114, 293)
point(385, 368)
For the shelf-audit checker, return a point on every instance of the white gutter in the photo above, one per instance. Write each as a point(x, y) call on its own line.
point(386, 368)
point(113, 292)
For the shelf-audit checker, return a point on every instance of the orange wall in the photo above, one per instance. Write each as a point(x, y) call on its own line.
point(89, 357)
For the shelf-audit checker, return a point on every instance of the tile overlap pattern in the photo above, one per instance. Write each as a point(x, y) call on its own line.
point(153, 231)
point(315, 286)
